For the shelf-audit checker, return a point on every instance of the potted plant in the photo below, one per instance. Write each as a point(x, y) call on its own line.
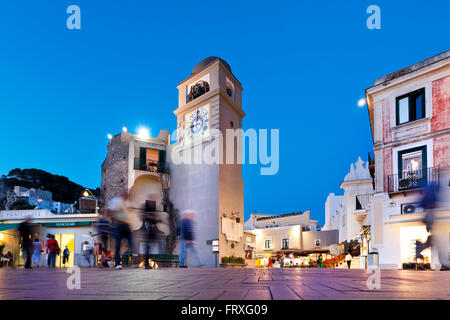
point(232, 262)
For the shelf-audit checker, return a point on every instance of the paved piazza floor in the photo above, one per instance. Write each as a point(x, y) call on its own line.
point(228, 284)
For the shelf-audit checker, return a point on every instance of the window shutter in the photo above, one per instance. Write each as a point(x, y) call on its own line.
point(162, 159)
point(142, 158)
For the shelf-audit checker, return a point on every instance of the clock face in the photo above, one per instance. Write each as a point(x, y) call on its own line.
point(197, 124)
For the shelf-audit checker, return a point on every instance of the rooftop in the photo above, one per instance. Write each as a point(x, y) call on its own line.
point(414, 67)
point(205, 63)
point(280, 216)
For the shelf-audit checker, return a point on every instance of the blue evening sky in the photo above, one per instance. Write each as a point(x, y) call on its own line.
point(303, 66)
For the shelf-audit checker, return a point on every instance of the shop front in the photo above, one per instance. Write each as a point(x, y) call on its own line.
point(410, 239)
point(72, 231)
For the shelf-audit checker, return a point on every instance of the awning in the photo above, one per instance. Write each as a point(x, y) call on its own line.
point(68, 224)
point(8, 226)
point(304, 252)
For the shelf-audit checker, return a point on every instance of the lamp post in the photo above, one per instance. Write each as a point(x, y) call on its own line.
point(88, 193)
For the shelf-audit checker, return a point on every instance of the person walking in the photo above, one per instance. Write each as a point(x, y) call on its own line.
point(104, 230)
point(37, 249)
point(348, 259)
point(188, 237)
point(118, 210)
point(52, 250)
point(320, 261)
point(24, 235)
point(150, 220)
point(66, 255)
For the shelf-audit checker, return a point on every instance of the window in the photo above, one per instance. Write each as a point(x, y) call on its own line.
point(317, 242)
point(285, 243)
point(411, 106)
point(412, 159)
point(267, 244)
point(412, 164)
point(150, 160)
point(198, 89)
point(230, 89)
point(150, 206)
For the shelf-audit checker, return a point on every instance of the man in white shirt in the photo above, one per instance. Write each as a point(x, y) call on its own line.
point(348, 258)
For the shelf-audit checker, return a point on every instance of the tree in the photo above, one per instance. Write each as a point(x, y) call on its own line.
point(336, 250)
point(164, 178)
point(21, 205)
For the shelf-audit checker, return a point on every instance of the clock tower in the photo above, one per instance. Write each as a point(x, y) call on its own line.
point(202, 176)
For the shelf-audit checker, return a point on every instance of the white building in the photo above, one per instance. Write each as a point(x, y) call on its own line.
point(409, 113)
point(410, 121)
point(332, 206)
point(294, 233)
point(70, 230)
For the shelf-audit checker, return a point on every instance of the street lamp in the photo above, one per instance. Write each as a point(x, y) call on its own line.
point(88, 193)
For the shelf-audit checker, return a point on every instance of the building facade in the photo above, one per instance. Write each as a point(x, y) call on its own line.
point(209, 104)
point(71, 230)
point(294, 233)
point(332, 206)
point(194, 168)
point(409, 113)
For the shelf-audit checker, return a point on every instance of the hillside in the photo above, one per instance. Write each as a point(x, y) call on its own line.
point(61, 187)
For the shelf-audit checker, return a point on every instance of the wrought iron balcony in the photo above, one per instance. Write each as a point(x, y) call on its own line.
point(411, 180)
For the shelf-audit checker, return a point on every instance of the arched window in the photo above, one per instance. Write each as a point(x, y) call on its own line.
point(198, 89)
point(230, 89)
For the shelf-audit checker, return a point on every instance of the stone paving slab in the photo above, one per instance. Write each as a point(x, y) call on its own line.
point(222, 284)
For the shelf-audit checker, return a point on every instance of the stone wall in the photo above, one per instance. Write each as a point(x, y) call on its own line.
point(114, 170)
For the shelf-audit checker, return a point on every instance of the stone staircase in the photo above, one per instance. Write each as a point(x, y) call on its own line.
point(356, 264)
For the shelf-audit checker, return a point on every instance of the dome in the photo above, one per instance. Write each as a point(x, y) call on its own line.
point(207, 62)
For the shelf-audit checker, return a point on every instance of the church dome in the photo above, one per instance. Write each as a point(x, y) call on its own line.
point(207, 62)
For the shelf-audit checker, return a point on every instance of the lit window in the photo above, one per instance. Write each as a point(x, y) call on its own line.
point(285, 243)
point(412, 164)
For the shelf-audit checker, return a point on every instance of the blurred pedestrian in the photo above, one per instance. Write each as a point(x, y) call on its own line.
point(188, 237)
point(104, 230)
point(88, 251)
point(150, 220)
point(52, 250)
point(24, 235)
point(118, 209)
point(37, 250)
point(66, 255)
point(429, 202)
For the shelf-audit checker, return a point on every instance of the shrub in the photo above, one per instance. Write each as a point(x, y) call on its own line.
point(233, 259)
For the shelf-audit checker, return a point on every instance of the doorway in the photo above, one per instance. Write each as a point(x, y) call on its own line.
point(65, 239)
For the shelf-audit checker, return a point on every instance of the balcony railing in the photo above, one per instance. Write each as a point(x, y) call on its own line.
point(150, 166)
point(410, 180)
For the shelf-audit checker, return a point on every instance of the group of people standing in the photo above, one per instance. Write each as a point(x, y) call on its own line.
point(117, 222)
point(32, 249)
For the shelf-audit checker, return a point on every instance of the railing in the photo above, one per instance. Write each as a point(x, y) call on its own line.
point(362, 201)
point(410, 180)
point(150, 166)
